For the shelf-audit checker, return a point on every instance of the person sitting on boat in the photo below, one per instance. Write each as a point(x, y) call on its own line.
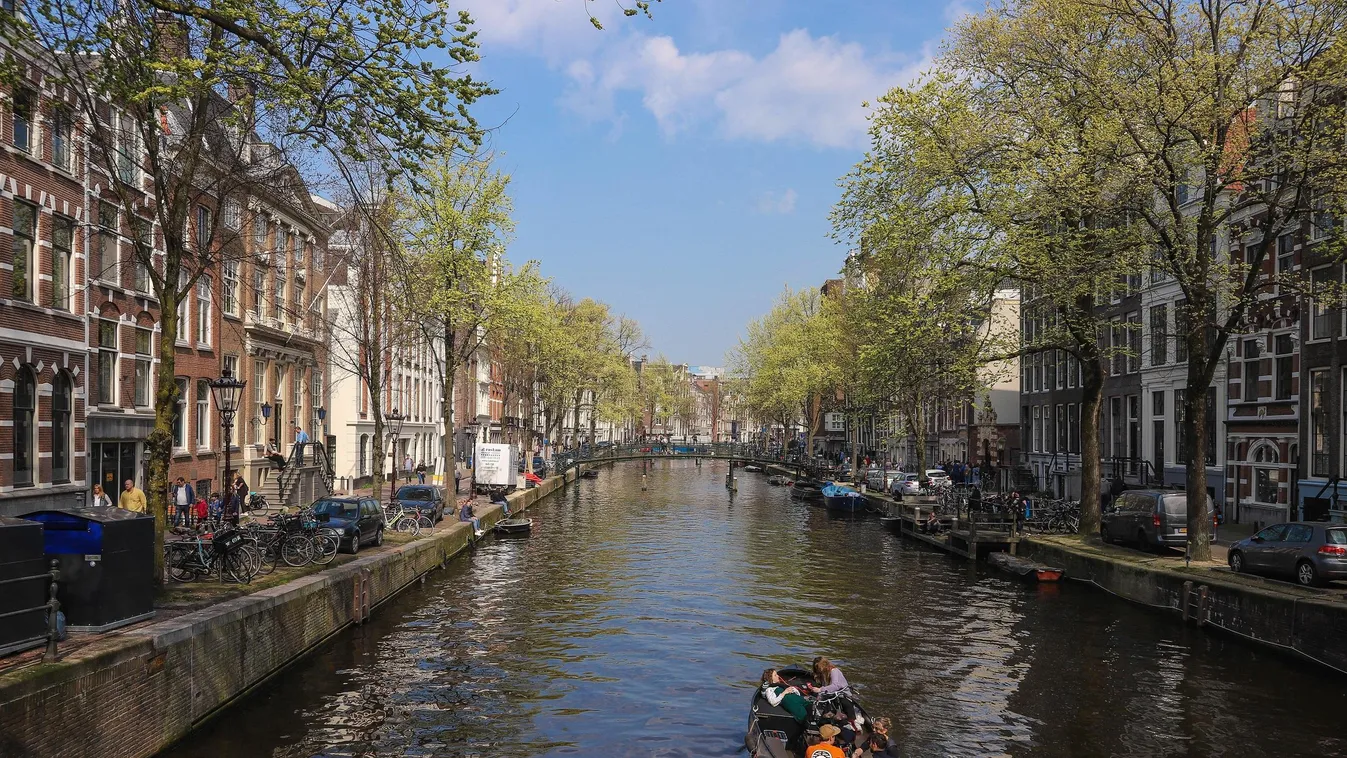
point(780, 692)
point(881, 744)
point(826, 744)
point(829, 681)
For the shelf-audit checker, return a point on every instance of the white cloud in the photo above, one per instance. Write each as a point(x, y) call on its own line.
point(555, 29)
point(808, 89)
point(771, 202)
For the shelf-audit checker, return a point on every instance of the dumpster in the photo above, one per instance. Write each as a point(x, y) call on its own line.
point(24, 583)
point(106, 558)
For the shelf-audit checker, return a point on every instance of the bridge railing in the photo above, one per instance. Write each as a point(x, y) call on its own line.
point(568, 459)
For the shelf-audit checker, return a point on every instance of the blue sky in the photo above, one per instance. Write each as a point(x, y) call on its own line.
point(682, 168)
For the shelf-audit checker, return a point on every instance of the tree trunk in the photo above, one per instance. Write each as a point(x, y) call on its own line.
point(159, 443)
point(1091, 489)
point(1195, 436)
point(448, 377)
point(855, 452)
point(919, 432)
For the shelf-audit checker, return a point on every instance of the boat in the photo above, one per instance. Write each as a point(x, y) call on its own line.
point(892, 523)
point(517, 527)
point(806, 489)
point(1025, 569)
point(843, 499)
point(752, 467)
point(774, 733)
point(589, 473)
point(778, 480)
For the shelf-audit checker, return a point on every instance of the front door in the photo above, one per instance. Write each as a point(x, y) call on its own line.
point(276, 416)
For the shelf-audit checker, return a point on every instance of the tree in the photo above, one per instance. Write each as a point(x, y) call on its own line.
point(455, 279)
point(186, 105)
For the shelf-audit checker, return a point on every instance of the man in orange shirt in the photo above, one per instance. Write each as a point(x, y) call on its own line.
point(825, 747)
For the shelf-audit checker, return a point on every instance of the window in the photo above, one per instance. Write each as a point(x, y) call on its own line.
point(1326, 319)
point(281, 246)
point(107, 362)
point(1265, 485)
point(1159, 335)
point(105, 264)
point(1037, 429)
point(60, 139)
point(24, 261)
point(1321, 220)
point(1073, 428)
point(180, 416)
point(1116, 356)
point(297, 393)
point(203, 311)
point(1062, 363)
point(1181, 193)
point(231, 364)
point(1319, 455)
point(1115, 419)
point(259, 397)
point(204, 232)
point(128, 152)
point(202, 414)
point(23, 119)
point(1252, 358)
point(1158, 430)
point(233, 214)
point(364, 454)
point(1061, 429)
point(25, 426)
point(1285, 367)
point(231, 288)
point(1209, 423)
point(1048, 435)
point(144, 361)
point(62, 404)
point(62, 236)
point(1181, 331)
point(144, 230)
point(1180, 438)
point(1133, 342)
point(278, 300)
point(259, 290)
point(1050, 370)
point(1286, 256)
point(184, 310)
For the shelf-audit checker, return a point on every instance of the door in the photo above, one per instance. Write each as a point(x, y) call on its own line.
point(1298, 537)
point(1263, 546)
point(1114, 519)
point(369, 520)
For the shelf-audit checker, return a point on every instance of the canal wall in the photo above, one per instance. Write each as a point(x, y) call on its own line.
point(1307, 626)
point(133, 694)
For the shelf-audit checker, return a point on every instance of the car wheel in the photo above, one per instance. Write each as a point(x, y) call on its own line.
point(355, 543)
point(1103, 534)
point(379, 537)
point(1306, 575)
point(1141, 540)
point(1236, 561)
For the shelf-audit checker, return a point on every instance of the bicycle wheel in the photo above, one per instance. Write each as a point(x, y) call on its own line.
point(407, 525)
point(178, 564)
point(271, 555)
point(234, 567)
point(254, 558)
point(325, 544)
point(424, 521)
point(297, 550)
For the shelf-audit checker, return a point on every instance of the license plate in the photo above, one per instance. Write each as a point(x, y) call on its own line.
point(1184, 530)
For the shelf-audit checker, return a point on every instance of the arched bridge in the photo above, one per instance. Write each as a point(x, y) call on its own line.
point(635, 451)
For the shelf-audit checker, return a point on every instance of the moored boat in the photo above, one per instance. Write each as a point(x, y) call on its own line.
point(514, 527)
point(774, 733)
point(589, 473)
point(752, 467)
point(1025, 569)
point(778, 480)
point(843, 499)
point(806, 489)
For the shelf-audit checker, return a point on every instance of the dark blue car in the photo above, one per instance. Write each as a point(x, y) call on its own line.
point(359, 521)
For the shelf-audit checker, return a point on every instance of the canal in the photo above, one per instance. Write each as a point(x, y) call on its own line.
point(634, 624)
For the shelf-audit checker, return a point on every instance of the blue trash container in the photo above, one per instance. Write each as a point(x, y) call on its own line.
point(106, 559)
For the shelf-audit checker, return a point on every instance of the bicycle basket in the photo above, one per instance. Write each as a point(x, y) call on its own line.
point(227, 539)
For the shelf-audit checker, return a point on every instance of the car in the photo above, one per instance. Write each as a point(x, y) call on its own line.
point(939, 478)
point(359, 521)
point(540, 466)
point(906, 484)
point(879, 479)
point(1149, 518)
point(1311, 553)
point(424, 497)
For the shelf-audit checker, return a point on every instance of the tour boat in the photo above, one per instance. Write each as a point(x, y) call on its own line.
point(774, 733)
point(518, 527)
point(843, 499)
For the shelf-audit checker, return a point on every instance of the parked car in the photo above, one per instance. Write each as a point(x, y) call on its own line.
point(540, 466)
point(1312, 553)
point(359, 521)
point(906, 484)
point(879, 479)
point(1148, 518)
point(939, 478)
point(422, 496)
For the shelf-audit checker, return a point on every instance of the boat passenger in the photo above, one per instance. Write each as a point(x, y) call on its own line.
point(825, 746)
point(779, 692)
point(829, 680)
point(882, 744)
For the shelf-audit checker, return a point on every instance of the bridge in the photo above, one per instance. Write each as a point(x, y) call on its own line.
point(636, 451)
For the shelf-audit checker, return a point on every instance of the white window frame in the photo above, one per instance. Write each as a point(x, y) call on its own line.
point(230, 284)
point(201, 418)
point(180, 433)
point(143, 361)
point(204, 317)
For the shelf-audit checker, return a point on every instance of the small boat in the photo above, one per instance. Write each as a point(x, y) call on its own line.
point(516, 527)
point(589, 473)
point(843, 499)
point(806, 489)
point(892, 523)
point(752, 467)
point(778, 480)
point(1025, 569)
point(774, 733)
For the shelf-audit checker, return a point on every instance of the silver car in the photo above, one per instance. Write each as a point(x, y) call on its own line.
point(1313, 553)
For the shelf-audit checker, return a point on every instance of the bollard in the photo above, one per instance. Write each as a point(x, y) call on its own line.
point(643, 482)
point(53, 606)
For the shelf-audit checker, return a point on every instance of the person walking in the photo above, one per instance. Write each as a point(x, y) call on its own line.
point(132, 498)
point(421, 472)
point(301, 439)
point(407, 468)
point(183, 500)
point(458, 476)
point(234, 505)
point(100, 498)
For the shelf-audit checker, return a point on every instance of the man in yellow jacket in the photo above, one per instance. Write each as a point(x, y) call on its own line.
point(132, 498)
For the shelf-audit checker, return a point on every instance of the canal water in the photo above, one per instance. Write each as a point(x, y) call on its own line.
point(635, 624)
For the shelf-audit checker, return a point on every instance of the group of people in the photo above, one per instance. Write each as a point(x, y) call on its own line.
point(843, 732)
point(962, 473)
point(186, 506)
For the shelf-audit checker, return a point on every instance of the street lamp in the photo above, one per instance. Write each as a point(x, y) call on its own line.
point(322, 421)
point(227, 391)
point(394, 421)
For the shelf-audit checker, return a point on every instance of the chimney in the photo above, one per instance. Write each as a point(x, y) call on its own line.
point(170, 37)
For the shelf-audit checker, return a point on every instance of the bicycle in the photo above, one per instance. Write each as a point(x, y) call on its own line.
point(401, 521)
point(227, 555)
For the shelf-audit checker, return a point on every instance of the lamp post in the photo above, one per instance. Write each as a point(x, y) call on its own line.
point(227, 391)
point(394, 421)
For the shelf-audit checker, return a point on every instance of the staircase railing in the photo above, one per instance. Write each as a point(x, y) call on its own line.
point(289, 476)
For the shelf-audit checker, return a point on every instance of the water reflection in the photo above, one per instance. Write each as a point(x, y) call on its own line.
point(631, 623)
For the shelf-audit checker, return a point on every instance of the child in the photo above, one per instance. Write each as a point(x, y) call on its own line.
point(202, 508)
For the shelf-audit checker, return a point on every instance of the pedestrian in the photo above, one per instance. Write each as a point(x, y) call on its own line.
point(132, 499)
point(203, 508)
point(100, 498)
point(407, 468)
point(235, 504)
point(458, 476)
point(421, 472)
point(183, 500)
point(301, 439)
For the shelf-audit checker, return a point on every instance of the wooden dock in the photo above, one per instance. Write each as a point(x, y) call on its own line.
point(968, 536)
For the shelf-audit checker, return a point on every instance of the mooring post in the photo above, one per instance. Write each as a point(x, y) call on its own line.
point(643, 482)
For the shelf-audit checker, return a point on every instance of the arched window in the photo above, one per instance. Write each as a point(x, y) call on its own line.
point(62, 403)
point(364, 454)
point(25, 406)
